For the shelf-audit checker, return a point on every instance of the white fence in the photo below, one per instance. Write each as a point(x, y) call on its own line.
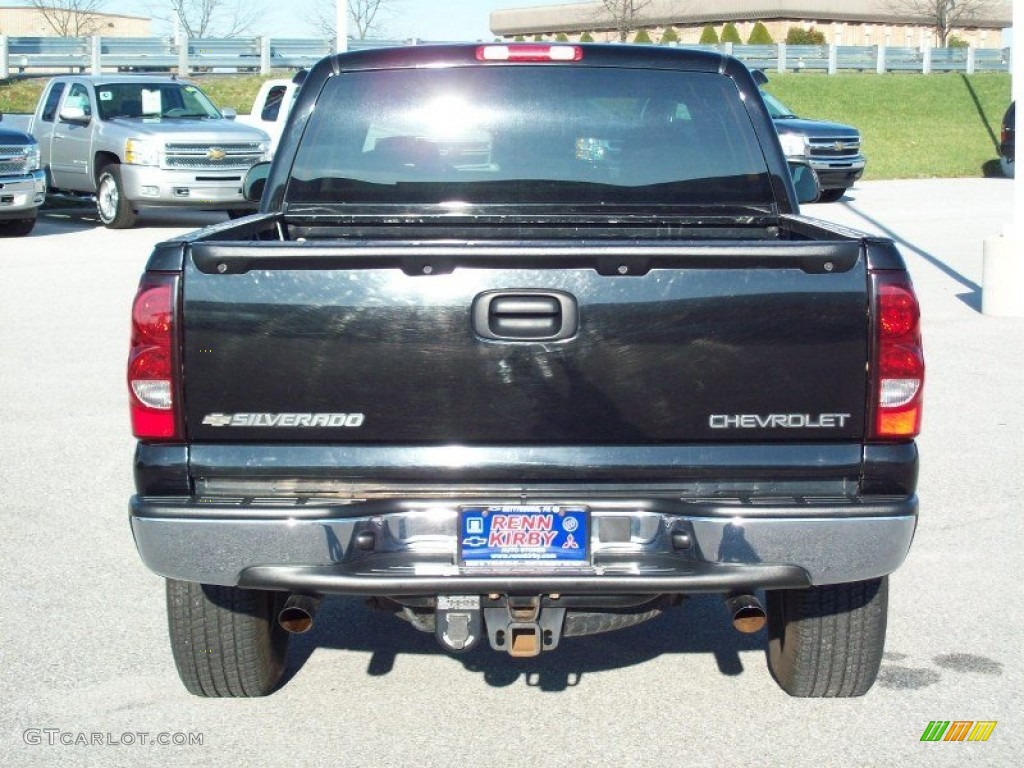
point(23, 55)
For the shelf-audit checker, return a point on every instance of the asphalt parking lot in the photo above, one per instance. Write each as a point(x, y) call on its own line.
point(87, 675)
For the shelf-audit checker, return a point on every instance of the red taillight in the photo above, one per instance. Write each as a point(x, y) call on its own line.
point(152, 382)
point(898, 361)
point(529, 52)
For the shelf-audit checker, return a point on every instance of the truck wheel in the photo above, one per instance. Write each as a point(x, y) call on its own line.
point(831, 195)
point(226, 641)
point(114, 209)
point(827, 642)
point(17, 227)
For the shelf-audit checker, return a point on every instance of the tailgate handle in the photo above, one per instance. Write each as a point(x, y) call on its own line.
point(525, 315)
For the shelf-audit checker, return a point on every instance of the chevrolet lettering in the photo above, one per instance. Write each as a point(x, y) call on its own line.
point(779, 421)
point(527, 342)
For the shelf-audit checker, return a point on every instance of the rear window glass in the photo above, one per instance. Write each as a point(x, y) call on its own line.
point(529, 134)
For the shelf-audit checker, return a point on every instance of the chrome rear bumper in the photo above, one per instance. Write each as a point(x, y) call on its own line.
point(410, 547)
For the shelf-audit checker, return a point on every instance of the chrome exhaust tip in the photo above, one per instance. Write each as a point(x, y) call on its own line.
point(747, 613)
point(297, 614)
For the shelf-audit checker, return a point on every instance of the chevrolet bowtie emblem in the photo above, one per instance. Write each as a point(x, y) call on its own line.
point(840, 146)
point(216, 153)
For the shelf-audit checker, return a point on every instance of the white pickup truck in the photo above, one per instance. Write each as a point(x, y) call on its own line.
point(272, 105)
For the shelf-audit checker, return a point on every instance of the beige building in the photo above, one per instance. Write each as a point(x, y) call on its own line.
point(24, 21)
point(850, 22)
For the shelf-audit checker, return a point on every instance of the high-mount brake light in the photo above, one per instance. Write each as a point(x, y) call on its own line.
point(529, 53)
point(152, 383)
point(898, 364)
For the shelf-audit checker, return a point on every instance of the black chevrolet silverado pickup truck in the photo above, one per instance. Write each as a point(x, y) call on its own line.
point(526, 342)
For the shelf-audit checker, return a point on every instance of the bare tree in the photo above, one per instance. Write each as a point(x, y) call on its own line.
point(943, 16)
point(366, 17)
point(211, 18)
point(71, 18)
point(623, 15)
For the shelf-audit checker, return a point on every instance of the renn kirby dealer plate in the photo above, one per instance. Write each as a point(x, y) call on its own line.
point(539, 535)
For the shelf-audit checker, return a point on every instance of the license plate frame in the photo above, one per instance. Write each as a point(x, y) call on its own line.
point(513, 536)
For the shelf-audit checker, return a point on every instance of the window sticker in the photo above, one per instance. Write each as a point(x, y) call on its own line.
point(151, 103)
point(106, 96)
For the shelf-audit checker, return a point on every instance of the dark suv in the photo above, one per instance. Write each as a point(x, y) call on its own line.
point(1006, 142)
point(833, 149)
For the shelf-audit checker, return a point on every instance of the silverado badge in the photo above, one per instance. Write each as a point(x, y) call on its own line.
point(295, 420)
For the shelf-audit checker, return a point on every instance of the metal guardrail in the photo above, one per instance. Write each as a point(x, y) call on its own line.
point(22, 55)
point(781, 57)
point(25, 55)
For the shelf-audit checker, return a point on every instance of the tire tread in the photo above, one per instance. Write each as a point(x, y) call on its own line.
point(225, 640)
point(827, 641)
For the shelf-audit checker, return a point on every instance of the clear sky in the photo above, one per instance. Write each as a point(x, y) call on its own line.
point(441, 20)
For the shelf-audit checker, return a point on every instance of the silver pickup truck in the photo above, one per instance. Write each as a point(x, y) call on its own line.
point(137, 141)
point(22, 186)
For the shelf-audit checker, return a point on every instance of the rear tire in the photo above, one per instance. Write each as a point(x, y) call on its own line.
point(226, 641)
point(17, 227)
point(827, 642)
point(115, 211)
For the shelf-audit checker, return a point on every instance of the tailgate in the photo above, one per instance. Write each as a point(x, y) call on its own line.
point(543, 344)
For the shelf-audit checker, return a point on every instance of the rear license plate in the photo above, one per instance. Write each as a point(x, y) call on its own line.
point(524, 534)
